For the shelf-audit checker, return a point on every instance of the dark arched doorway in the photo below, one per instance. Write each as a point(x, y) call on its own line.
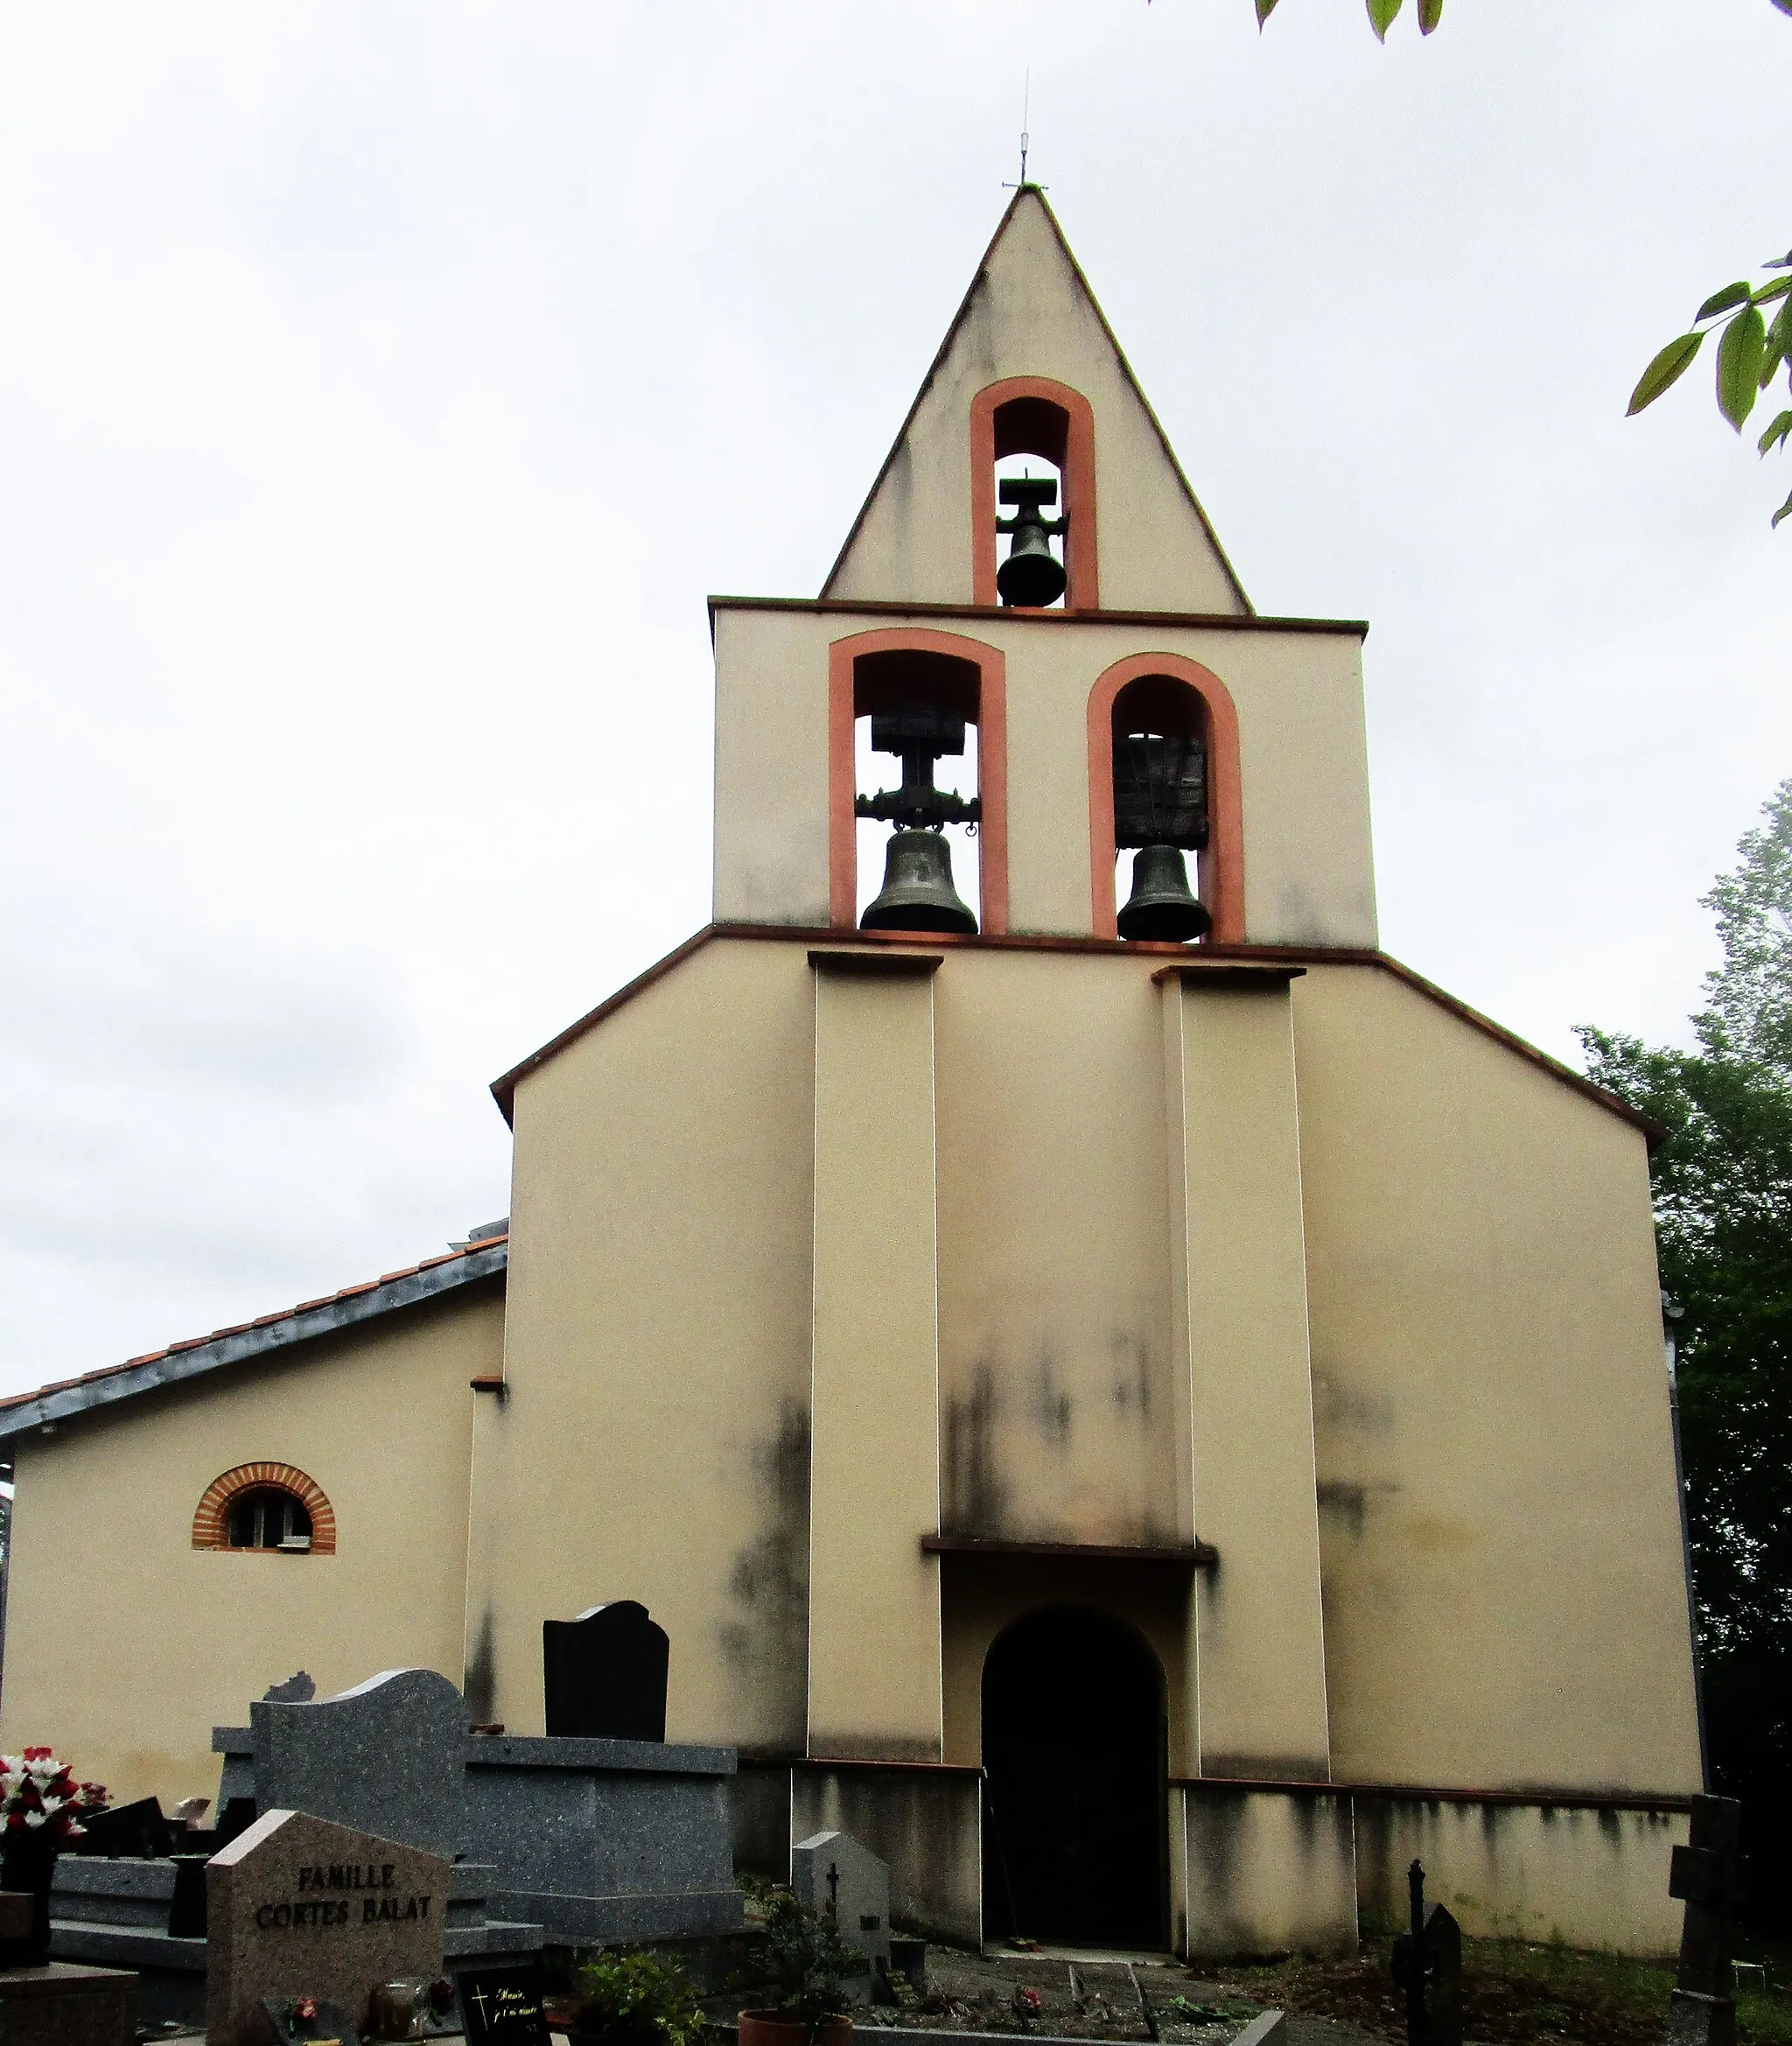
point(1073, 1783)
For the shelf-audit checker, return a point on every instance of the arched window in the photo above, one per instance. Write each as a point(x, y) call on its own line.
point(266, 1517)
point(875, 674)
point(267, 1509)
point(1169, 698)
point(1035, 417)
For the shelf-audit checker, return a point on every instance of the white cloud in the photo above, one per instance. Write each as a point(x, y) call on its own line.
point(382, 389)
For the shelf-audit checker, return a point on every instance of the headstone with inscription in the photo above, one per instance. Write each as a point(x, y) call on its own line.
point(831, 1871)
point(603, 1674)
point(503, 2007)
point(300, 1907)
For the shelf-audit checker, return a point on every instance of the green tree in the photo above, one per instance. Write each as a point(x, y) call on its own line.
point(1722, 1198)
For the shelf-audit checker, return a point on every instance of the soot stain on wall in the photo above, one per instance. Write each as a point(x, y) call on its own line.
point(479, 1681)
point(975, 1496)
point(1132, 1378)
point(766, 1643)
point(1051, 1403)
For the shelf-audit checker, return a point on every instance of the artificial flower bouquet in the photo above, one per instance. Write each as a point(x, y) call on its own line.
point(39, 1795)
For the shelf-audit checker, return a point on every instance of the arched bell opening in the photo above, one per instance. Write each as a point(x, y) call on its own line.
point(1159, 739)
point(1075, 1775)
point(1032, 440)
point(1032, 493)
point(917, 806)
point(916, 667)
point(1165, 793)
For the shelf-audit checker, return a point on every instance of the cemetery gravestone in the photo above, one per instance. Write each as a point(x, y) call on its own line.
point(503, 2007)
point(604, 1675)
point(386, 1758)
point(1707, 1875)
point(297, 1906)
point(832, 1869)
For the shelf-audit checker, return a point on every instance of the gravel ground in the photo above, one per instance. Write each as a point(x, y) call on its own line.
point(1058, 1993)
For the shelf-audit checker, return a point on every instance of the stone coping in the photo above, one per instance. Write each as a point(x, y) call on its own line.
point(621, 1757)
point(61, 1978)
point(541, 1751)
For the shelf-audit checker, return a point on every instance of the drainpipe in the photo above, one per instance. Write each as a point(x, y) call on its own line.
point(1672, 1313)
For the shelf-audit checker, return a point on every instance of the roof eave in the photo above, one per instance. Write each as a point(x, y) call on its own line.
point(190, 1361)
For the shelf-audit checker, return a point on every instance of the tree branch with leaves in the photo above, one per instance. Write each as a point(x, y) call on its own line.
point(1750, 352)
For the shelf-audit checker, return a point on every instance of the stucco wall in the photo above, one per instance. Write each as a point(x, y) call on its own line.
point(655, 1444)
point(1505, 1602)
point(125, 1646)
point(1591, 1878)
point(1054, 1254)
point(1309, 871)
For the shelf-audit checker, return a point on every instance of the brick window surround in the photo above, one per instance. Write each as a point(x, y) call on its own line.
point(210, 1523)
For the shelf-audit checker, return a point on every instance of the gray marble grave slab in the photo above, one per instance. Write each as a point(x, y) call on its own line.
point(604, 1839)
point(384, 1758)
point(832, 1867)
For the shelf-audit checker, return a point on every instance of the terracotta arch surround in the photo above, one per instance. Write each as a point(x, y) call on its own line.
point(984, 702)
point(1032, 415)
point(1222, 864)
point(210, 1522)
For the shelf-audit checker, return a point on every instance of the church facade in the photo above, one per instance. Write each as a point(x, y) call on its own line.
point(1149, 1432)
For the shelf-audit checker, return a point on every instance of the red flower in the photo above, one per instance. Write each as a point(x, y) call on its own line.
point(305, 2007)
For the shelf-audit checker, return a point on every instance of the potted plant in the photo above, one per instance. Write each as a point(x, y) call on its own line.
point(39, 1803)
point(636, 1999)
point(806, 1970)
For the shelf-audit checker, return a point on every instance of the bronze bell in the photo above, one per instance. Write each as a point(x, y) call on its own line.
point(1033, 576)
point(1162, 905)
point(918, 892)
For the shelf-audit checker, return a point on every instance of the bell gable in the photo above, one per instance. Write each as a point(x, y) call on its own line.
point(1030, 364)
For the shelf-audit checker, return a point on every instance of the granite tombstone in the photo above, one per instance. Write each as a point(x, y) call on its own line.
point(604, 1675)
point(386, 1757)
point(297, 1906)
point(830, 1870)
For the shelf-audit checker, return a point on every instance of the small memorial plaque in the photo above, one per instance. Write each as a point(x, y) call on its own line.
point(297, 1907)
point(503, 2007)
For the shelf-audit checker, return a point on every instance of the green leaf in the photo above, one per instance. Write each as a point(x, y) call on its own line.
point(1779, 333)
point(1784, 6)
point(1666, 370)
point(1430, 12)
point(1779, 262)
point(1722, 301)
point(1777, 431)
point(1264, 9)
point(1380, 16)
point(1778, 289)
point(1739, 355)
point(1785, 510)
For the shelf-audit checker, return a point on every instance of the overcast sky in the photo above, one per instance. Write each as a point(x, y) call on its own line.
point(384, 387)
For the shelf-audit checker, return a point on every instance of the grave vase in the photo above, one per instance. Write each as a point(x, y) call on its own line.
point(27, 1864)
point(778, 2028)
